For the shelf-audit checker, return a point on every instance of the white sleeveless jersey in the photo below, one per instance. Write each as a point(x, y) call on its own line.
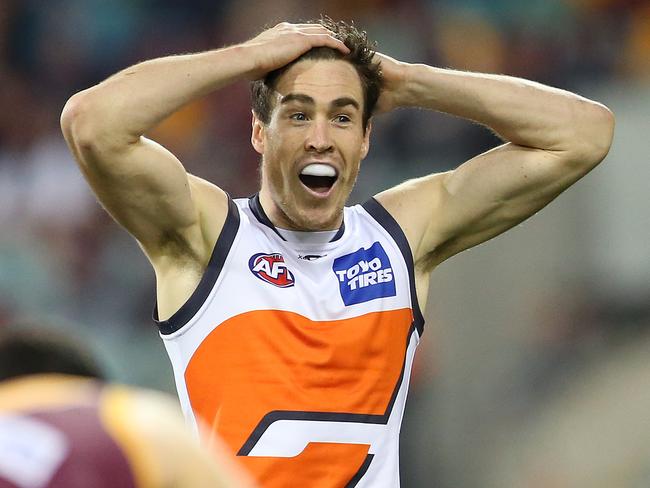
point(297, 353)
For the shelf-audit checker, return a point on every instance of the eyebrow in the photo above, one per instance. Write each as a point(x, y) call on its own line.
point(337, 103)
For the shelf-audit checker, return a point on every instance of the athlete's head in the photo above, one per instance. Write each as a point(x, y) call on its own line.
point(37, 350)
point(311, 124)
point(360, 56)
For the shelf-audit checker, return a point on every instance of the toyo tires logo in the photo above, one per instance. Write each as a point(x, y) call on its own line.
point(364, 275)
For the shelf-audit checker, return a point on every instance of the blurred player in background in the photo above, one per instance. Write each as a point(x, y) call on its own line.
point(290, 319)
point(62, 426)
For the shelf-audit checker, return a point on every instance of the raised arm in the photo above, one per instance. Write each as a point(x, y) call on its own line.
point(142, 185)
point(555, 137)
point(175, 217)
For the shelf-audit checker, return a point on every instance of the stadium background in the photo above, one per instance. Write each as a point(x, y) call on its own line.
point(533, 370)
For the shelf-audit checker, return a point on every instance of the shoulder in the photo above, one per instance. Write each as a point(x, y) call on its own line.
point(193, 243)
point(213, 205)
point(414, 205)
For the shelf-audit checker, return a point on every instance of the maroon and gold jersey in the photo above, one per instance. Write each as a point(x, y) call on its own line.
point(59, 431)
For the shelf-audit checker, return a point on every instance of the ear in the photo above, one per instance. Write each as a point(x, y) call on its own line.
point(257, 134)
point(365, 144)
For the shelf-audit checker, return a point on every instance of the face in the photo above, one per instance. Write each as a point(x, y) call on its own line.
point(313, 145)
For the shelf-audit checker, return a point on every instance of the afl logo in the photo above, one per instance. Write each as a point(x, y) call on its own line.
point(272, 269)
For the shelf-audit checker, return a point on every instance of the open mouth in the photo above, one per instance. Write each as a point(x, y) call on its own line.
point(318, 177)
point(319, 184)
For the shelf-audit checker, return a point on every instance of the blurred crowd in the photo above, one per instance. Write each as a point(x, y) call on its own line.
point(61, 254)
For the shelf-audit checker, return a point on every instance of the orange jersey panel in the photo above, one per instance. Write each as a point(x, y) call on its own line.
point(269, 360)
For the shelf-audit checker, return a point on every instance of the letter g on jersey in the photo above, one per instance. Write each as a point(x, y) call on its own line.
point(272, 269)
point(364, 275)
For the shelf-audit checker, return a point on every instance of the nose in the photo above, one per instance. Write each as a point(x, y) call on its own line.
point(319, 137)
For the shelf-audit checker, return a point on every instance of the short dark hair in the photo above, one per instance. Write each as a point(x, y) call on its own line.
point(39, 350)
point(360, 56)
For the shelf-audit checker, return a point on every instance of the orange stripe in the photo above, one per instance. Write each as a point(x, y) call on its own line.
point(269, 360)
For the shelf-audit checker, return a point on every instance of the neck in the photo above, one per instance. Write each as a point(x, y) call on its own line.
point(280, 219)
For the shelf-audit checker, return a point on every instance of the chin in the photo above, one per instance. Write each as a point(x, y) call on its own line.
point(308, 215)
point(320, 220)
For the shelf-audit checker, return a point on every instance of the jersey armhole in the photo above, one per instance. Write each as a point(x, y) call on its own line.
point(386, 220)
point(212, 271)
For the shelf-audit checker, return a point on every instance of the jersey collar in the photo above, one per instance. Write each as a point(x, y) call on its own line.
point(259, 213)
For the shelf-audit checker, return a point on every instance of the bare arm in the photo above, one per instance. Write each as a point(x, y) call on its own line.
point(175, 217)
point(555, 137)
point(141, 184)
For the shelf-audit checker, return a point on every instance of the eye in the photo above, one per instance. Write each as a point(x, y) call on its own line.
point(342, 119)
point(299, 116)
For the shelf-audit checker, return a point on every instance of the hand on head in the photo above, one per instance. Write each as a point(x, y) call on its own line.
point(393, 83)
point(278, 46)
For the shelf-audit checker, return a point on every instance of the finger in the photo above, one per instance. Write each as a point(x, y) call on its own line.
point(329, 41)
point(312, 28)
point(309, 24)
point(316, 30)
point(287, 25)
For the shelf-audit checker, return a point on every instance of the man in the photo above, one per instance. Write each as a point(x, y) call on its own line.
point(291, 321)
point(61, 426)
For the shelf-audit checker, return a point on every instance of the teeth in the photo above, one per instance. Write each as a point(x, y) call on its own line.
point(318, 169)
